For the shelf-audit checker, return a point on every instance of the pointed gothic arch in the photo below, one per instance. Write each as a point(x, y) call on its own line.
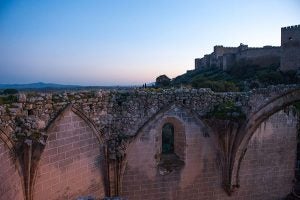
point(13, 186)
point(73, 142)
point(254, 121)
point(147, 143)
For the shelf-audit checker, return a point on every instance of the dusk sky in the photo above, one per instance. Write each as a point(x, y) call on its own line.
point(126, 42)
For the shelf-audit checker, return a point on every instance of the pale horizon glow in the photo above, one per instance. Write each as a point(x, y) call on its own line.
point(128, 42)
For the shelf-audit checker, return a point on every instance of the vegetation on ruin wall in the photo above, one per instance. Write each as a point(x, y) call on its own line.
point(227, 111)
point(241, 77)
point(8, 99)
point(8, 96)
point(34, 136)
point(297, 106)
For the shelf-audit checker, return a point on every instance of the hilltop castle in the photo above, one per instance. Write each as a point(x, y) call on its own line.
point(287, 55)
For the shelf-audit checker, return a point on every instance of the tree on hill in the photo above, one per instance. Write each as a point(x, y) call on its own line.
point(10, 91)
point(162, 81)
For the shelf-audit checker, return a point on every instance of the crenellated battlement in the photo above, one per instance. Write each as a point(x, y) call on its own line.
point(297, 27)
point(290, 45)
point(287, 55)
point(262, 48)
point(221, 46)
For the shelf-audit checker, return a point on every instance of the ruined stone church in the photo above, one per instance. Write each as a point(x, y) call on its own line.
point(172, 144)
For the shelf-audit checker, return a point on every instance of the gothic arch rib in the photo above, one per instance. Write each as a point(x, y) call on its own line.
point(254, 120)
point(165, 109)
point(5, 137)
point(264, 112)
point(207, 132)
point(79, 113)
point(51, 128)
point(161, 112)
point(10, 144)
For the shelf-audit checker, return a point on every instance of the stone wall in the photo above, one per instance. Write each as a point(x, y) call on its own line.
point(290, 43)
point(143, 179)
point(221, 50)
point(78, 126)
point(11, 182)
point(70, 165)
point(287, 55)
point(252, 53)
point(267, 170)
point(225, 57)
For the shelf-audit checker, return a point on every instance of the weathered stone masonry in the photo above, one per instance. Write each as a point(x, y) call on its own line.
point(108, 143)
point(287, 55)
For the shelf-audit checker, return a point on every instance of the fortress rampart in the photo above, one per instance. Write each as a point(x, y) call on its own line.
point(290, 44)
point(287, 55)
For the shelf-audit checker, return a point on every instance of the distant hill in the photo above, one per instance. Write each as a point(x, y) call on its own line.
point(39, 85)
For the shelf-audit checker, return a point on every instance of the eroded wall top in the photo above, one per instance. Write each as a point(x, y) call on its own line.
point(124, 111)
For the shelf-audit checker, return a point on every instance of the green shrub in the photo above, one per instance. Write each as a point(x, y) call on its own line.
point(8, 99)
point(290, 77)
point(242, 76)
point(227, 111)
point(217, 86)
point(270, 77)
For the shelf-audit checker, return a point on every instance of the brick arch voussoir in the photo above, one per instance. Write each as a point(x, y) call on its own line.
point(254, 121)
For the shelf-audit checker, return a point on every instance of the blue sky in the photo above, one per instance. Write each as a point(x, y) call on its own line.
point(124, 42)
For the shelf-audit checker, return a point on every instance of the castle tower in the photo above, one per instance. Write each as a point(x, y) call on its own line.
point(290, 45)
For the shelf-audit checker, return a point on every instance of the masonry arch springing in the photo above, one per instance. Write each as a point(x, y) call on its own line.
point(74, 156)
point(12, 187)
point(264, 112)
point(4, 136)
point(254, 121)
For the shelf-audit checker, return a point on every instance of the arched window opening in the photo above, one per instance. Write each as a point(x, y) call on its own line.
point(169, 160)
point(168, 139)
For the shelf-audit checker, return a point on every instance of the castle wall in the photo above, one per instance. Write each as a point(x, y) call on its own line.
point(264, 57)
point(202, 63)
point(228, 61)
point(224, 57)
point(220, 50)
point(70, 165)
point(199, 63)
point(252, 53)
point(290, 43)
point(10, 184)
